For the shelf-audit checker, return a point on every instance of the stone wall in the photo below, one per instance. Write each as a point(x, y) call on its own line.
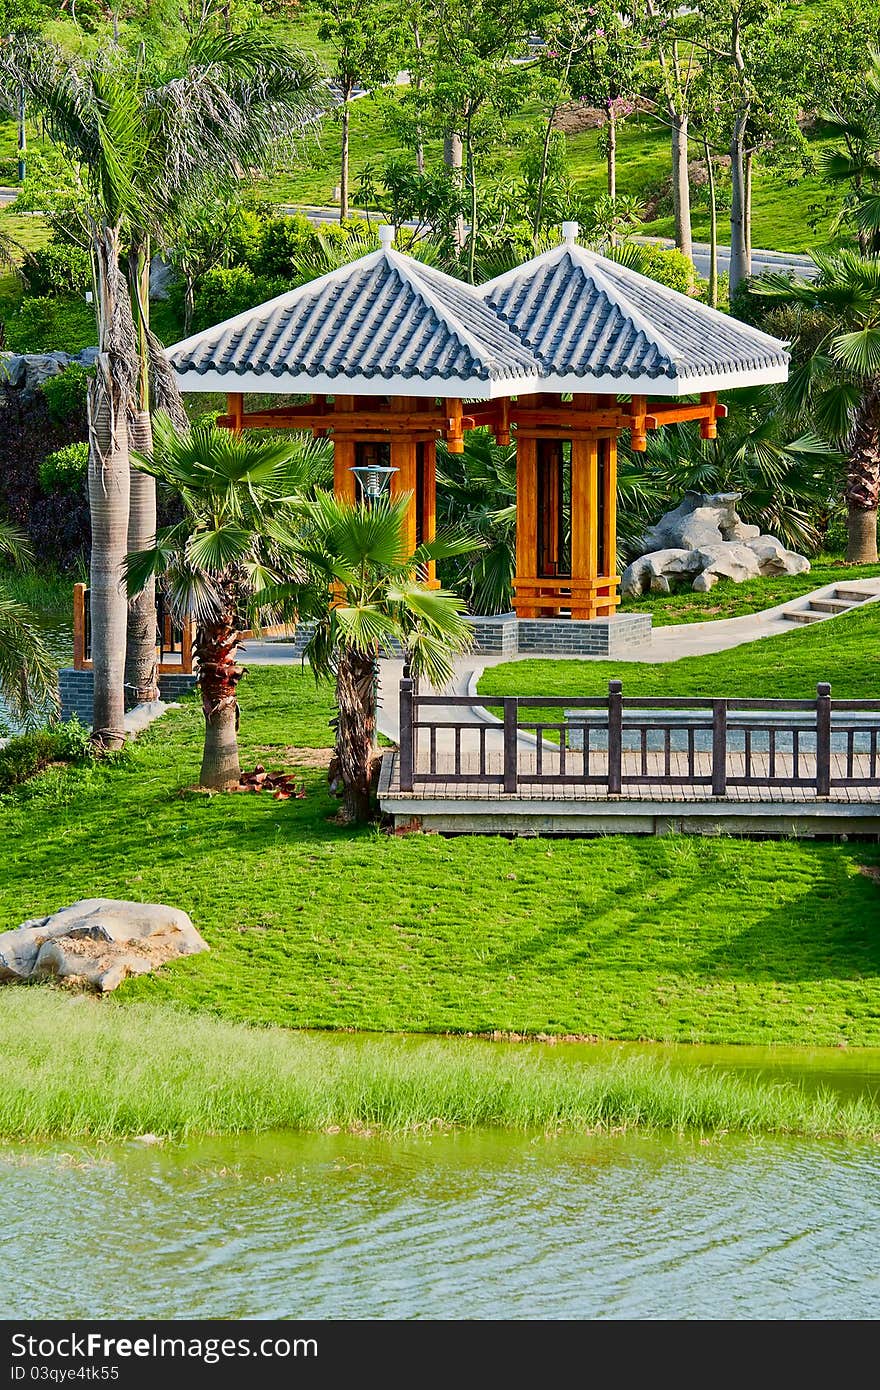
point(76, 689)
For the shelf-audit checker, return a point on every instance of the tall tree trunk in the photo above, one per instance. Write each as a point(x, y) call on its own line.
point(343, 172)
point(713, 228)
point(740, 267)
point(355, 729)
point(216, 646)
point(110, 398)
point(863, 481)
point(681, 183)
point(141, 671)
point(453, 158)
point(22, 135)
point(611, 151)
point(472, 183)
point(189, 302)
point(748, 161)
point(417, 84)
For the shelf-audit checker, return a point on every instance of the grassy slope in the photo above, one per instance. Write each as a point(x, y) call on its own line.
point(845, 652)
point(729, 600)
point(314, 925)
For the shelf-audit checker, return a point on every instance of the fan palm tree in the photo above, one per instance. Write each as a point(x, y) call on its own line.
point(783, 481)
point(364, 597)
point(837, 384)
point(856, 160)
point(143, 141)
point(28, 678)
point(225, 560)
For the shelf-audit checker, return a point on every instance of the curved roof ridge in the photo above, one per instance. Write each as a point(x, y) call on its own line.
point(586, 259)
point(480, 350)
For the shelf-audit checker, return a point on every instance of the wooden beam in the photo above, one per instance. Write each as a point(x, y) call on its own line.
point(584, 520)
point(454, 426)
point(638, 424)
point(79, 627)
point(568, 418)
point(344, 485)
point(526, 519)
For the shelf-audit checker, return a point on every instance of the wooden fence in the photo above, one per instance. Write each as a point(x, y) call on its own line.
point(613, 743)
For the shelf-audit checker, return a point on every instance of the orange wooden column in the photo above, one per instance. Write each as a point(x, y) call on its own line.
point(526, 527)
point(344, 484)
point(608, 598)
point(584, 526)
point(403, 458)
point(235, 410)
point(428, 485)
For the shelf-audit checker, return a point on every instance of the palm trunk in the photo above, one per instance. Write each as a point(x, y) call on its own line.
point(713, 228)
point(681, 184)
point(343, 173)
point(863, 481)
point(110, 396)
point(355, 728)
point(141, 671)
point(216, 646)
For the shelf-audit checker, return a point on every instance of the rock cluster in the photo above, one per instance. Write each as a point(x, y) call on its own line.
point(704, 540)
point(26, 371)
point(98, 942)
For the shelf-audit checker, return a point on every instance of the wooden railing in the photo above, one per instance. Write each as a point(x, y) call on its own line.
point(614, 743)
point(174, 640)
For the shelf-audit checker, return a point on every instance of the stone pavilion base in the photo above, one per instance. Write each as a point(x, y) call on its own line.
point(507, 635)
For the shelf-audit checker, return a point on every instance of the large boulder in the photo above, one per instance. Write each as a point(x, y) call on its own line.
point(704, 539)
point(98, 942)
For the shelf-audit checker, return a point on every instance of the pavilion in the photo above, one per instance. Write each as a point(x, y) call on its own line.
point(562, 354)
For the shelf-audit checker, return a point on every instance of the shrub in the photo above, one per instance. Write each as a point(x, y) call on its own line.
point(66, 394)
point(223, 293)
point(667, 266)
point(59, 269)
point(65, 469)
point(58, 525)
point(27, 754)
point(51, 325)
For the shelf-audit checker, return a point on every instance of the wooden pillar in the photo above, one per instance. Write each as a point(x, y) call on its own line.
point(344, 484)
point(235, 410)
point(428, 484)
point(608, 596)
point(403, 458)
point(526, 526)
point(584, 526)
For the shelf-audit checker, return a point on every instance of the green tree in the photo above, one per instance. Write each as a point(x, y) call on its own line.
point(854, 162)
point(668, 32)
point(606, 73)
point(28, 678)
point(139, 141)
point(363, 597)
point(364, 37)
point(836, 382)
point(234, 543)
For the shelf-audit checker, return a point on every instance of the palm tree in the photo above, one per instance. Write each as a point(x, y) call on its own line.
point(364, 597)
point(28, 678)
point(856, 160)
point(837, 384)
point(224, 561)
point(784, 482)
point(143, 141)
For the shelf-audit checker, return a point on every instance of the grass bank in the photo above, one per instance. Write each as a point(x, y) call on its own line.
point(729, 600)
point(85, 1069)
point(313, 925)
point(845, 652)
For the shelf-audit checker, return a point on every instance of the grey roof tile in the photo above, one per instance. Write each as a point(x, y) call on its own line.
point(384, 316)
point(583, 315)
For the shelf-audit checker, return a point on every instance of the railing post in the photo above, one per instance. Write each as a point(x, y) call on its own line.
point(615, 737)
point(79, 626)
point(823, 739)
point(719, 747)
point(511, 710)
point(406, 710)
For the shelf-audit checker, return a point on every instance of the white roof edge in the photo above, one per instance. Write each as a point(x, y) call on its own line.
point(461, 388)
point(280, 300)
point(664, 385)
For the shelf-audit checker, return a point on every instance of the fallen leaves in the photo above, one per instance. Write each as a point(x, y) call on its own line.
point(281, 785)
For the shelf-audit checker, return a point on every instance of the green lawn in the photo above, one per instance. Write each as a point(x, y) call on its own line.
point(729, 600)
point(312, 925)
point(845, 652)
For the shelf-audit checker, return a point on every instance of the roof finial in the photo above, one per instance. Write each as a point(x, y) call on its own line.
point(570, 232)
point(386, 235)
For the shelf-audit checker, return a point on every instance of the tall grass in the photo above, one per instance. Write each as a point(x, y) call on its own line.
point(75, 1067)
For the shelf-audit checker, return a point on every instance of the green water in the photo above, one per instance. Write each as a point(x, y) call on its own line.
point(478, 1225)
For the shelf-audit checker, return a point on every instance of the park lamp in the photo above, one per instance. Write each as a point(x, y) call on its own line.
point(373, 481)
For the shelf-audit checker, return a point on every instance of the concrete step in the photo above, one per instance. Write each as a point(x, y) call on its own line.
point(852, 594)
point(803, 615)
point(832, 605)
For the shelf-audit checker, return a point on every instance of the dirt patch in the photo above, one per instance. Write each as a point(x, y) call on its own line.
point(871, 871)
point(299, 757)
